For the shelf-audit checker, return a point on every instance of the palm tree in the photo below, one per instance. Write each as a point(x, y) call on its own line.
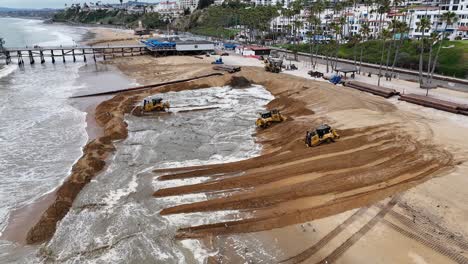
point(383, 8)
point(336, 29)
point(355, 40)
point(432, 41)
point(365, 31)
point(296, 8)
point(422, 25)
point(313, 20)
point(384, 35)
point(400, 28)
point(315, 9)
point(449, 18)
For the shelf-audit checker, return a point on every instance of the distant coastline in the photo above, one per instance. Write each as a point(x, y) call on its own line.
point(75, 24)
point(42, 14)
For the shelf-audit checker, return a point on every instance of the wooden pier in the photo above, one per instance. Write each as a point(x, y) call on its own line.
point(40, 54)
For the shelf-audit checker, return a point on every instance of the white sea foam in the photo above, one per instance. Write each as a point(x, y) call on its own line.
point(60, 38)
point(7, 70)
point(200, 253)
point(115, 195)
point(40, 143)
point(169, 141)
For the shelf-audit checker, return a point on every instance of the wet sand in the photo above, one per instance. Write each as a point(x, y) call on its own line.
point(394, 133)
point(385, 150)
point(23, 219)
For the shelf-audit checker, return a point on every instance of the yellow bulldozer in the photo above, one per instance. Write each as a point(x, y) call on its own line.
point(322, 134)
point(267, 118)
point(273, 65)
point(155, 105)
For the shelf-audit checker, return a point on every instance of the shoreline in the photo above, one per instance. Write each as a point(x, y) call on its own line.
point(107, 117)
point(22, 219)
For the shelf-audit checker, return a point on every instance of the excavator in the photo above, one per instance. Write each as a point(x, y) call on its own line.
point(155, 105)
point(273, 65)
point(322, 134)
point(267, 118)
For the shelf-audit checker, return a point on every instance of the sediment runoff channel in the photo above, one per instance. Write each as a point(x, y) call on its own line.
point(116, 219)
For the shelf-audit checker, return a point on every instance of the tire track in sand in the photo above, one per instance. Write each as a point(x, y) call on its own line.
point(325, 240)
point(428, 242)
point(339, 251)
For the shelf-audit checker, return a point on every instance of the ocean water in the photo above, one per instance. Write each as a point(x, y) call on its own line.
point(19, 32)
point(126, 226)
point(41, 132)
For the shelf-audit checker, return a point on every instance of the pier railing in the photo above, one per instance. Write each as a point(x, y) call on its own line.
point(62, 52)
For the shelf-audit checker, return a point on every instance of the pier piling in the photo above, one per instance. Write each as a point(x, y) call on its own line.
point(41, 55)
point(31, 57)
point(20, 58)
point(8, 58)
point(84, 56)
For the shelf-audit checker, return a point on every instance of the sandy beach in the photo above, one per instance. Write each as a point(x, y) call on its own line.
point(391, 190)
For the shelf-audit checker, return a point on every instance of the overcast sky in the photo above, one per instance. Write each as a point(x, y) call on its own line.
point(46, 3)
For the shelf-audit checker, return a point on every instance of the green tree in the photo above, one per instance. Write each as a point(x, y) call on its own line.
point(204, 3)
point(422, 25)
point(365, 31)
point(398, 28)
point(449, 18)
point(383, 8)
point(354, 40)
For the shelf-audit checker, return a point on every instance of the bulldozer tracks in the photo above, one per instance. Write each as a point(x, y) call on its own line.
point(325, 240)
point(430, 243)
point(426, 231)
point(339, 251)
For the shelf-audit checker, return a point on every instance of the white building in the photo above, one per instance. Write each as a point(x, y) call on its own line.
point(272, 2)
point(194, 46)
point(190, 4)
point(169, 8)
point(434, 13)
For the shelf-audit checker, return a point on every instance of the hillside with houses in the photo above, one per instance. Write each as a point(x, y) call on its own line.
point(395, 33)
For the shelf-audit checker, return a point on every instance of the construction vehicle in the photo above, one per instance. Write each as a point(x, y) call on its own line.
point(267, 118)
point(315, 74)
point(335, 79)
point(322, 134)
point(155, 105)
point(218, 61)
point(273, 65)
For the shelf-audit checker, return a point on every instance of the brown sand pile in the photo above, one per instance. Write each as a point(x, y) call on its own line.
point(110, 116)
point(83, 171)
point(114, 41)
point(239, 82)
point(289, 183)
point(148, 70)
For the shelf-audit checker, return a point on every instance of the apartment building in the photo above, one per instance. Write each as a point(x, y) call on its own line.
point(190, 4)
